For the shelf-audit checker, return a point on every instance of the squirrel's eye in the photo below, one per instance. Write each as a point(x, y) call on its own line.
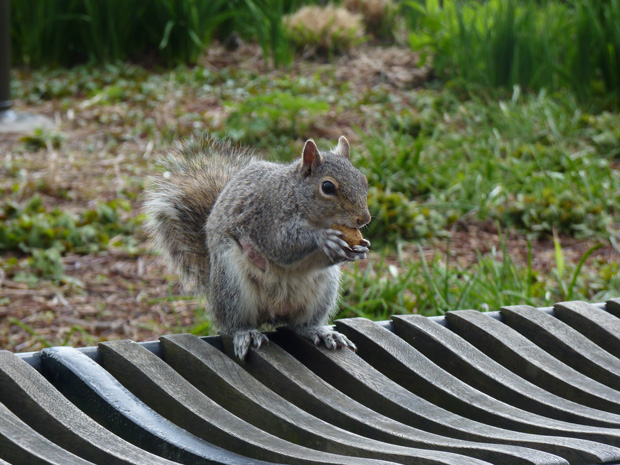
point(328, 188)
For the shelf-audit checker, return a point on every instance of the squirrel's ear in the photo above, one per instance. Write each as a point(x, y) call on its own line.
point(342, 148)
point(310, 156)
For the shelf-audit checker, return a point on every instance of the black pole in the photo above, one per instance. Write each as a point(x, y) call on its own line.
point(5, 56)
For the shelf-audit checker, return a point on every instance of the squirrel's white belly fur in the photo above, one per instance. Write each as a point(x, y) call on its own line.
point(276, 294)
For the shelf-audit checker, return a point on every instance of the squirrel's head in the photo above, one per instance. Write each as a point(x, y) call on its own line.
point(338, 189)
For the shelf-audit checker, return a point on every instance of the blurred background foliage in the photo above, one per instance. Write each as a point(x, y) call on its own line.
point(547, 44)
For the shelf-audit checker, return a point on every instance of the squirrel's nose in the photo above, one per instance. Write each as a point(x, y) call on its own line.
point(364, 219)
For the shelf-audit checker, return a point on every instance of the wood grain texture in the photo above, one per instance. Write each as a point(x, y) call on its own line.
point(288, 377)
point(103, 398)
point(513, 387)
point(352, 375)
point(408, 367)
point(224, 381)
point(28, 395)
point(20, 444)
point(526, 359)
point(598, 325)
point(167, 392)
point(480, 371)
point(566, 344)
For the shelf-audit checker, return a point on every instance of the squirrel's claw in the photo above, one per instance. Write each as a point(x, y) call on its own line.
point(242, 340)
point(333, 246)
point(359, 252)
point(332, 339)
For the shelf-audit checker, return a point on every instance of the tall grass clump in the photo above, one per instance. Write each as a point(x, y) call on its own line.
point(535, 45)
point(167, 32)
point(267, 27)
point(594, 61)
point(66, 32)
point(324, 30)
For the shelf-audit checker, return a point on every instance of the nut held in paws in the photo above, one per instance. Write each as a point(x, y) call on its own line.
point(350, 235)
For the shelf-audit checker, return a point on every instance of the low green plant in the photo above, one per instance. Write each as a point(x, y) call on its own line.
point(396, 218)
point(41, 139)
point(45, 235)
point(260, 118)
point(531, 161)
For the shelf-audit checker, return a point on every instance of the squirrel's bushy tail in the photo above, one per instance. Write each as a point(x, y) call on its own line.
point(179, 201)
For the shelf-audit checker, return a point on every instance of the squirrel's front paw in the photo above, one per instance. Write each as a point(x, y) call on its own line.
point(242, 339)
point(337, 250)
point(332, 339)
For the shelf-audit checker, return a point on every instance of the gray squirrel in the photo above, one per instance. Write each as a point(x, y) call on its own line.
point(256, 237)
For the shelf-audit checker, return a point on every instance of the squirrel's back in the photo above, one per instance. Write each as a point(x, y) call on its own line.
point(179, 201)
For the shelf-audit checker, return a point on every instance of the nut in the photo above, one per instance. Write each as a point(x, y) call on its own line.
point(350, 235)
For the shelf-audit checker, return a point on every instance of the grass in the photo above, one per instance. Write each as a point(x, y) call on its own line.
point(432, 286)
point(535, 45)
point(542, 166)
point(164, 32)
point(531, 161)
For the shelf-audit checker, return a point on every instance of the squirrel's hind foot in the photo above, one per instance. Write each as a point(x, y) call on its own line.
point(332, 339)
point(242, 339)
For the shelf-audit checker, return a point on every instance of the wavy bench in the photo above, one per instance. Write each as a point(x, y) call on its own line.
point(518, 386)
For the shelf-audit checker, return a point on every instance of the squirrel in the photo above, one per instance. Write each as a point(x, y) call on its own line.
point(255, 237)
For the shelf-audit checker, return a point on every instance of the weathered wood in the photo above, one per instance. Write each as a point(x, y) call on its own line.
point(164, 390)
point(291, 379)
point(526, 359)
point(419, 390)
point(408, 367)
point(469, 364)
point(352, 375)
point(613, 307)
point(22, 445)
point(598, 325)
point(565, 344)
point(223, 380)
point(36, 402)
point(104, 399)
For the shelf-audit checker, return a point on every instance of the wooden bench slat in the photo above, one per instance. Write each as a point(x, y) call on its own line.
point(408, 367)
point(352, 375)
point(477, 369)
point(565, 343)
point(164, 390)
point(613, 307)
point(223, 380)
point(291, 379)
point(32, 398)
point(526, 359)
point(103, 398)
point(20, 444)
point(598, 325)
